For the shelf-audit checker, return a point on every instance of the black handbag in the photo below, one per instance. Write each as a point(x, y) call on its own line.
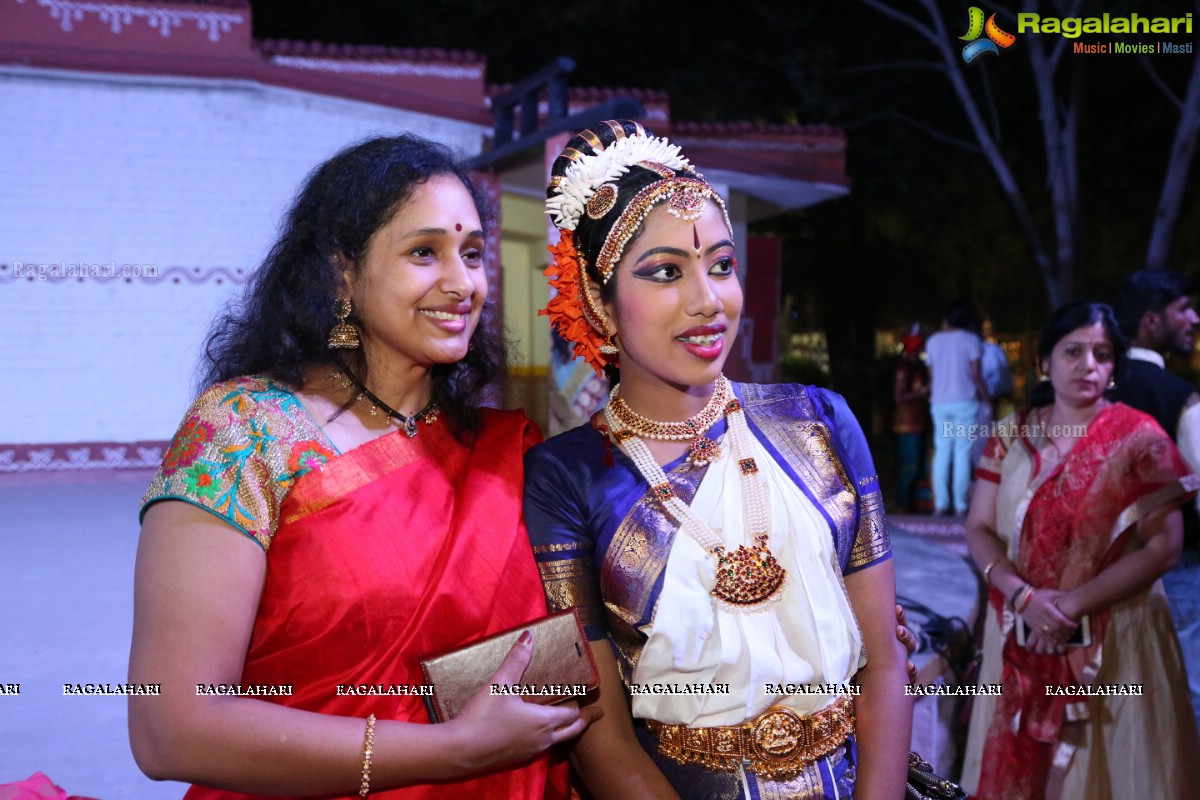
point(924, 784)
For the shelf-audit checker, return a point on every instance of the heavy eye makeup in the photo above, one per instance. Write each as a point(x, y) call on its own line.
point(723, 267)
point(665, 272)
point(659, 273)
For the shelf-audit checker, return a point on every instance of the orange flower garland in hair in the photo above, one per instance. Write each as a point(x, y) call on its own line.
point(565, 309)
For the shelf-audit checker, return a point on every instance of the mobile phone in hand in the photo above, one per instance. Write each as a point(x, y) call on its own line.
point(1081, 637)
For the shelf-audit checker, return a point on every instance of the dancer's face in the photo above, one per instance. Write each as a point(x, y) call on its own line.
point(677, 301)
point(421, 286)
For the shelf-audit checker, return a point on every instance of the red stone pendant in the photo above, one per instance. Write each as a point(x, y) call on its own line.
point(748, 578)
point(703, 451)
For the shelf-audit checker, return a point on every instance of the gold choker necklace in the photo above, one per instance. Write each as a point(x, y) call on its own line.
point(750, 577)
point(702, 450)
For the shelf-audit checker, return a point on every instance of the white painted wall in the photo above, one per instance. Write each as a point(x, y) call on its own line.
point(173, 173)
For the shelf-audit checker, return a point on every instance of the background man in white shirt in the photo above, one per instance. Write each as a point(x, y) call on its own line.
point(952, 356)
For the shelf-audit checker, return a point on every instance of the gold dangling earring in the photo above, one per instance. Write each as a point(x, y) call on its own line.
point(609, 347)
point(343, 335)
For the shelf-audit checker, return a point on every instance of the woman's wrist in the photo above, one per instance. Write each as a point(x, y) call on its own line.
point(993, 569)
point(1068, 606)
point(1005, 579)
point(461, 747)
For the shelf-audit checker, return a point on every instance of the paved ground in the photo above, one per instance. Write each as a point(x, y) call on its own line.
point(66, 576)
point(66, 600)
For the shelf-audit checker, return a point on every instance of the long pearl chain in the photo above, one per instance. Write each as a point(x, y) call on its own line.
point(747, 578)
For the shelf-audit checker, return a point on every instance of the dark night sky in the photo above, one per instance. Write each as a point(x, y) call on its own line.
point(922, 214)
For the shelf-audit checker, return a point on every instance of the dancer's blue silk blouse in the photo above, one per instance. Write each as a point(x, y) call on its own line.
point(601, 542)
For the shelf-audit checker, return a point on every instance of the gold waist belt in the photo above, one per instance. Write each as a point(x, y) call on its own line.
point(776, 745)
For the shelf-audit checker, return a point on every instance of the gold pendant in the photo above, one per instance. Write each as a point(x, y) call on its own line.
point(748, 578)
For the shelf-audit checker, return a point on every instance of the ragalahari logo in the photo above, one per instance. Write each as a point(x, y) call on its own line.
point(996, 38)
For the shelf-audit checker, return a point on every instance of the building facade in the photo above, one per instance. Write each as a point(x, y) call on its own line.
point(149, 150)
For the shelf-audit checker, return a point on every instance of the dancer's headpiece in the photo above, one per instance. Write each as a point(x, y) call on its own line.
point(602, 186)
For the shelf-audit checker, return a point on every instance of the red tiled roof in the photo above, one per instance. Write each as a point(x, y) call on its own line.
point(294, 47)
point(214, 3)
point(595, 94)
point(598, 94)
point(744, 128)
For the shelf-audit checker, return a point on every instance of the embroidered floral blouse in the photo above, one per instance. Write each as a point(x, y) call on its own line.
point(240, 448)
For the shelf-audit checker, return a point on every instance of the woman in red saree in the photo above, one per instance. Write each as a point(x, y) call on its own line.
point(305, 543)
point(1074, 519)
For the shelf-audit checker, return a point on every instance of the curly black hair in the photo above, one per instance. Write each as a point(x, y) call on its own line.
point(281, 324)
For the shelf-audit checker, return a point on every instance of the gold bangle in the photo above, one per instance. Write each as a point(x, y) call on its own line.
point(987, 571)
point(368, 751)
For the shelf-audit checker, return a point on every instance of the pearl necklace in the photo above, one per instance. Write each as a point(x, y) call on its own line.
point(702, 450)
point(750, 577)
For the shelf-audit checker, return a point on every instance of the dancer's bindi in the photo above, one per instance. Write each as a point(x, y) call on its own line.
point(458, 226)
point(695, 238)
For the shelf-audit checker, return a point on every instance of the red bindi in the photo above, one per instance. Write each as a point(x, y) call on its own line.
point(458, 226)
point(695, 238)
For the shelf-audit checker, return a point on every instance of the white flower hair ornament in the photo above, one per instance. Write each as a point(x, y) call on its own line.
point(586, 175)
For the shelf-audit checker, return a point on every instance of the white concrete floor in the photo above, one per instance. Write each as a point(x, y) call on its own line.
point(66, 601)
point(66, 606)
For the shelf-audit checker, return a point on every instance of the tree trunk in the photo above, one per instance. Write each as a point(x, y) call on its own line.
point(1166, 216)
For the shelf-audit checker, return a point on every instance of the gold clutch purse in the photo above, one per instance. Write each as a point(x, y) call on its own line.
point(561, 668)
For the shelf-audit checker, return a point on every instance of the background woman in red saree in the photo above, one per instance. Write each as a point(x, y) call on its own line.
point(1074, 519)
point(337, 505)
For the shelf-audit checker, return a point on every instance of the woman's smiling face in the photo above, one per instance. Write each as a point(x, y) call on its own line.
point(420, 288)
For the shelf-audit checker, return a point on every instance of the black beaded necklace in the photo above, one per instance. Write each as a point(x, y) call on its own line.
point(429, 413)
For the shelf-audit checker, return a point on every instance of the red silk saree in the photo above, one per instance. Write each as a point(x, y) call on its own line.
point(1062, 528)
point(395, 550)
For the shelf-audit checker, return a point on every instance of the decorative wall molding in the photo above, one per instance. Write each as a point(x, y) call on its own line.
point(80, 456)
point(120, 15)
point(408, 69)
point(83, 272)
